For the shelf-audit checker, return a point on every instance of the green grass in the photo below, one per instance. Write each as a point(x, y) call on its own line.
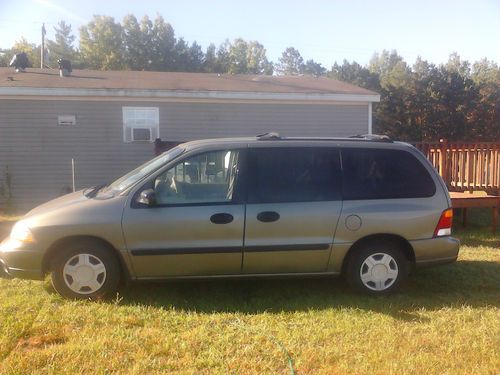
point(445, 320)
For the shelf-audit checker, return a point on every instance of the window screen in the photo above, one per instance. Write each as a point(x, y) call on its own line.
point(383, 174)
point(294, 175)
point(140, 124)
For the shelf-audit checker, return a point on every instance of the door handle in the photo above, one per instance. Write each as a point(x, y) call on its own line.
point(268, 216)
point(222, 218)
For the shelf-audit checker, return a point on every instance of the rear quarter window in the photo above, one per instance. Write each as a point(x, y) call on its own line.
point(384, 174)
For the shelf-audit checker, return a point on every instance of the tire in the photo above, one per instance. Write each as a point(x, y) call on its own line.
point(377, 268)
point(85, 269)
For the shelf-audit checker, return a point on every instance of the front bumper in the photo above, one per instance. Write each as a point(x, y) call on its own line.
point(21, 261)
point(434, 251)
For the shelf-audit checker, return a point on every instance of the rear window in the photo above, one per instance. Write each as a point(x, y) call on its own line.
point(294, 175)
point(384, 174)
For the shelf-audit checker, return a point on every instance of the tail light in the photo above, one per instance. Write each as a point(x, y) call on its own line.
point(443, 227)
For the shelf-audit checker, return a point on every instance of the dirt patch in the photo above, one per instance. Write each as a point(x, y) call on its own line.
point(41, 341)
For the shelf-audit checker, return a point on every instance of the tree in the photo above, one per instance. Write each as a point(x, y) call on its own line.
point(290, 62)
point(454, 97)
point(136, 54)
point(180, 56)
point(238, 51)
point(391, 69)
point(5, 57)
point(257, 62)
point(163, 46)
point(196, 58)
point(223, 61)
point(355, 74)
point(456, 65)
point(313, 68)
point(486, 113)
point(101, 44)
point(187, 58)
point(31, 50)
point(210, 59)
point(62, 47)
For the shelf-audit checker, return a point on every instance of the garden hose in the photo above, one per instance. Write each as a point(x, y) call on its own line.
point(272, 338)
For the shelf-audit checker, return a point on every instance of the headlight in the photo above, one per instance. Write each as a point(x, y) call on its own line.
point(21, 233)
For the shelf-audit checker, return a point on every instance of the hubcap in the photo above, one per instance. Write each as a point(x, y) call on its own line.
point(84, 273)
point(379, 271)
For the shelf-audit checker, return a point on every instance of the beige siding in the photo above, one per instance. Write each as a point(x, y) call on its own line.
point(38, 152)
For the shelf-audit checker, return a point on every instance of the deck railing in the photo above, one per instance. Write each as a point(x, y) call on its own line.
point(466, 166)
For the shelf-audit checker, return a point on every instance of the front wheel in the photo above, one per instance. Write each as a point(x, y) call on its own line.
point(377, 268)
point(85, 270)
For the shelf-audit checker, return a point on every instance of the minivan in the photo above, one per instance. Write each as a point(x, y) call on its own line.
point(366, 207)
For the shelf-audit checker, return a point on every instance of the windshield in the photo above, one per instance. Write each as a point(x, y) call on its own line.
point(142, 171)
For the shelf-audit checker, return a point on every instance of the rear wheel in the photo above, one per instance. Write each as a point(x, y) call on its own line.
point(85, 270)
point(377, 268)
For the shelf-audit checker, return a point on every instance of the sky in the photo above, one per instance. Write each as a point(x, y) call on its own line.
point(325, 31)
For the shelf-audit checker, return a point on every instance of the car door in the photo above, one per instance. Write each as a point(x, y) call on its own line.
point(195, 227)
point(293, 208)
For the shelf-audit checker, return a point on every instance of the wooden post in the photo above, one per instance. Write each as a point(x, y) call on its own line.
point(444, 161)
point(42, 49)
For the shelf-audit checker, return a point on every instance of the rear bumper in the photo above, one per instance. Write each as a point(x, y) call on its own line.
point(434, 251)
point(25, 263)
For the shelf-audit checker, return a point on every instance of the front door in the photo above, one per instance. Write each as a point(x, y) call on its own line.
point(293, 208)
point(195, 228)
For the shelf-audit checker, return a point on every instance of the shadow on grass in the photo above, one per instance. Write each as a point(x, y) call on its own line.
point(471, 283)
point(478, 237)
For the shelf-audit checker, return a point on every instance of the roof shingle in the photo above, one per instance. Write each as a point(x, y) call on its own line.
point(174, 81)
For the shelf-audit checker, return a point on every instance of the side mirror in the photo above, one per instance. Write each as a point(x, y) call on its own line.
point(147, 197)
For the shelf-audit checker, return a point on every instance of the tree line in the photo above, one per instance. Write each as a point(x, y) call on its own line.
point(456, 100)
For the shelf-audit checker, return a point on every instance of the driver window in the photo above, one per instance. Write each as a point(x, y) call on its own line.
point(204, 178)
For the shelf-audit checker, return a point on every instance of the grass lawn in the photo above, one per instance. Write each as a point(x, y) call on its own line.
point(445, 320)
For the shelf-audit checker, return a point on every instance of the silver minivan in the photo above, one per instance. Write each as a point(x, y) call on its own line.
point(365, 207)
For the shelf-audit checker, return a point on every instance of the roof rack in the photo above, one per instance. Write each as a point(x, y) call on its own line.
point(268, 136)
point(273, 136)
point(372, 137)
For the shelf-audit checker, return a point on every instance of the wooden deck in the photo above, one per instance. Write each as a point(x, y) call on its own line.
point(467, 200)
point(465, 166)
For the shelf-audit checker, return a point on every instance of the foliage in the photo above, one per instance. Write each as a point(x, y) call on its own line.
point(163, 44)
point(101, 44)
point(257, 62)
point(429, 102)
point(238, 51)
point(444, 320)
point(137, 42)
point(246, 58)
point(22, 45)
point(62, 47)
point(355, 74)
point(313, 68)
point(391, 69)
point(290, 62)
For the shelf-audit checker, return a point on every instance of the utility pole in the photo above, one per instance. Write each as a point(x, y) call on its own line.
point(42, 51)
